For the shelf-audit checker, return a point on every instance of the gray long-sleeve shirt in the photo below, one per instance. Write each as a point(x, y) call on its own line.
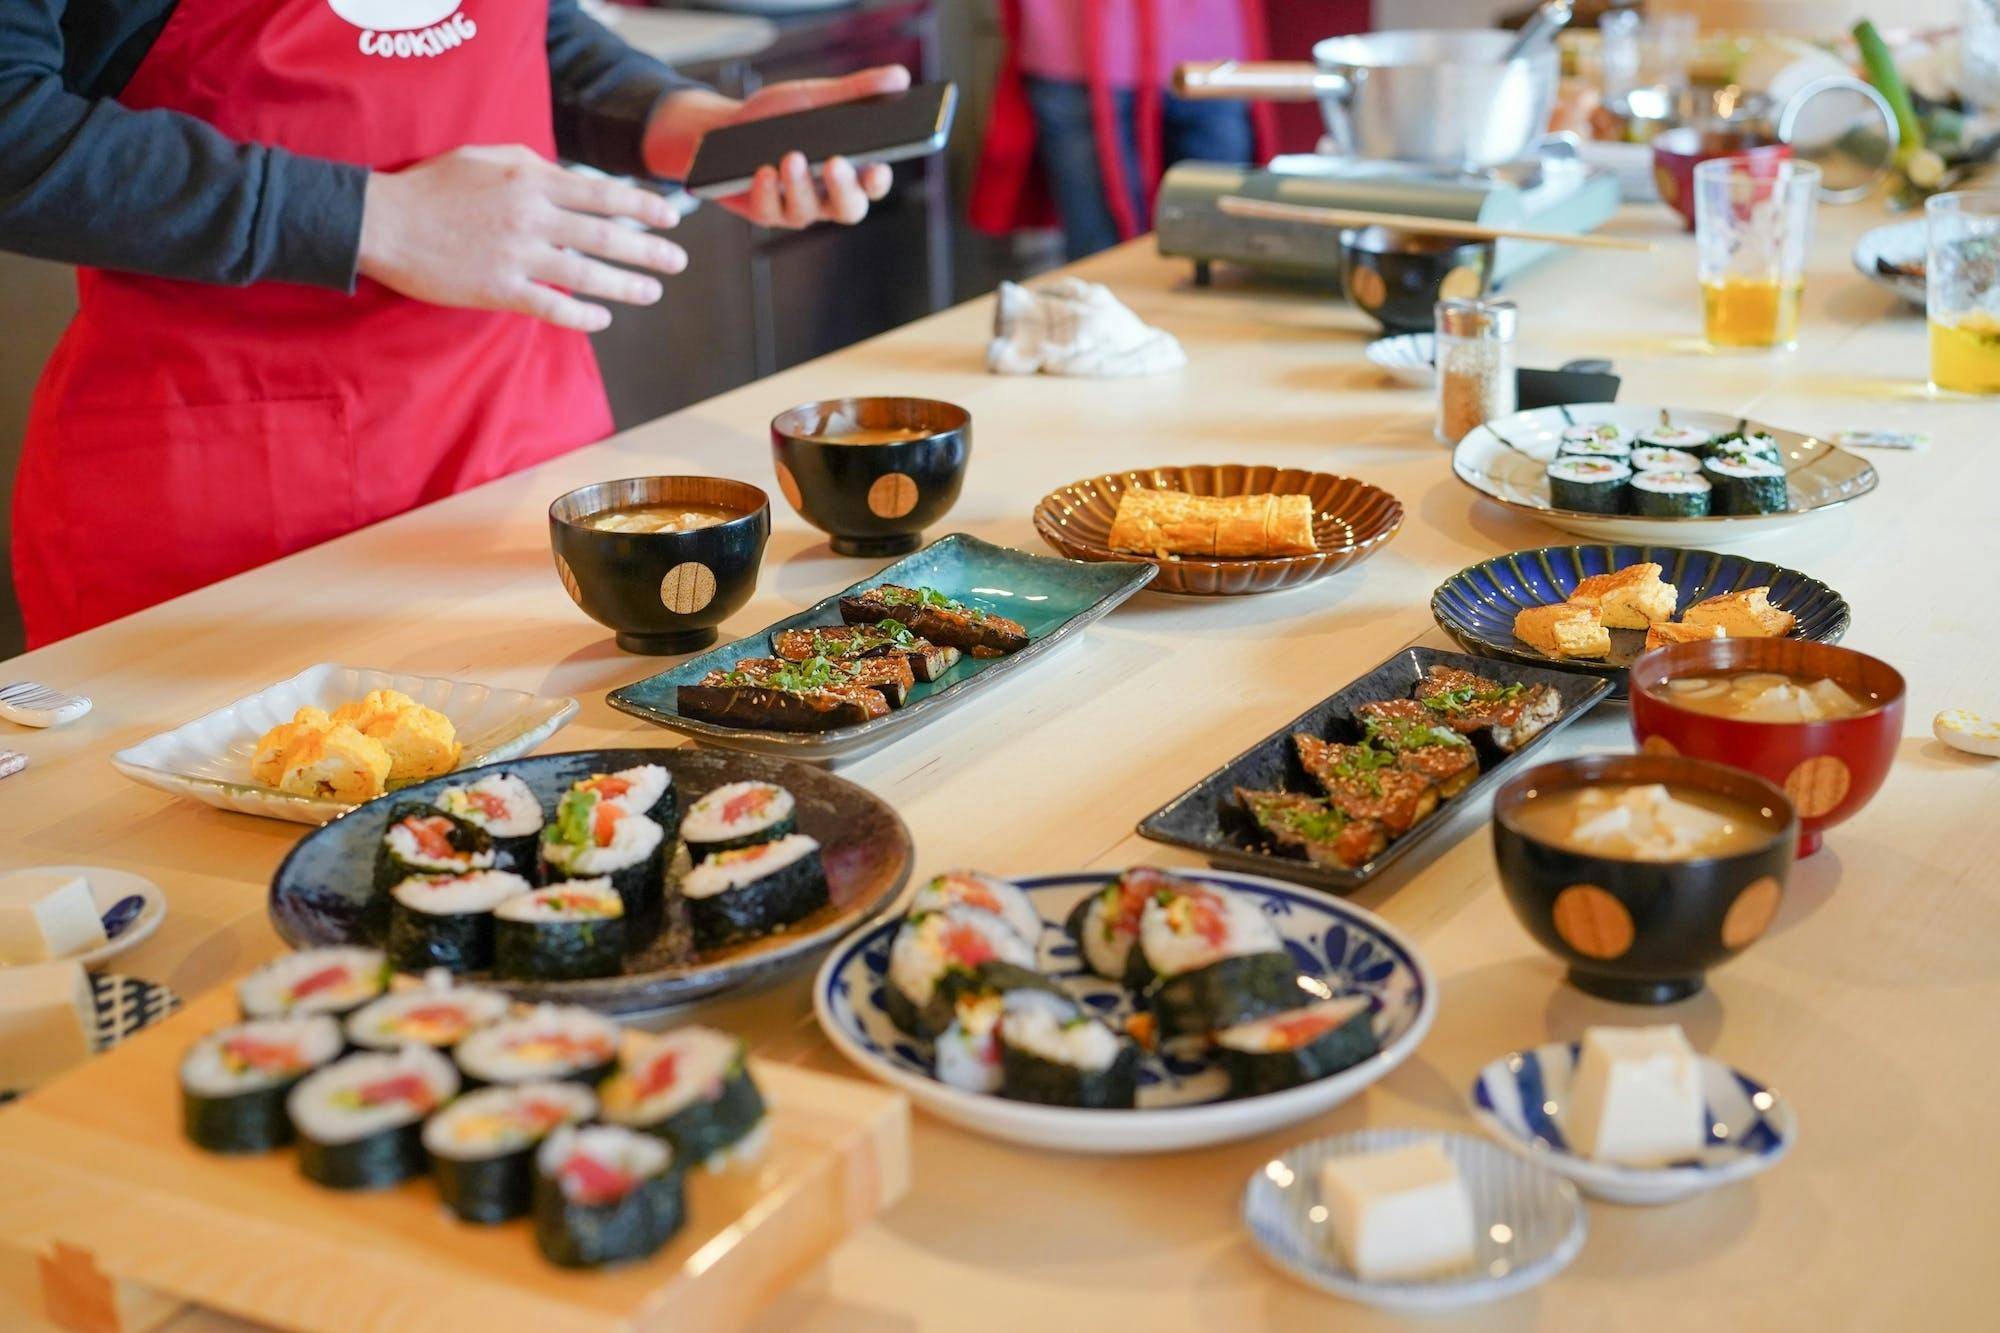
point(87, 181)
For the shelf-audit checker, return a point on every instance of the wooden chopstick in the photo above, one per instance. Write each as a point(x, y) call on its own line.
point(1241, 206)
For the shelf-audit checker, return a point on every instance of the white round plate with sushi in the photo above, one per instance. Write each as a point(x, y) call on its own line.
point(1507, 462)
point(1528, 1223)
point(1182, 1103)
point(1519, 1100)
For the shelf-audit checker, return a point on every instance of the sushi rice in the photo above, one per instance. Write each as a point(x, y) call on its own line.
point(333, 980)
point(647, 789)
point(749, 892)
point(565, 1043)
point(738, 815)
point(1054, 1053)
point(1664, 436)
point(506, 808)
point(482, 1145)
point(1602, 440)
point(967, 1054)
point(566, 932)
point(1105, 925)
point(234, 1081)
point(447, 920)
point(981, 893)
point(937, 956)
point(1655, 459)
point(603, 1195)
point(422, 844)
point(359, 1120)
point(1196, 926)
point(437, 1014)
point(692, 1087)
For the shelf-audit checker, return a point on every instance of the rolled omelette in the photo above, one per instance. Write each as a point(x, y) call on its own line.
point(1167, 523)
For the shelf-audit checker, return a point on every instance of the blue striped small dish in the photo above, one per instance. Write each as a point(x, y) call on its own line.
point(1477, 605)
point(121, 1006)
point(1519, 1101)
point(1527, 1223)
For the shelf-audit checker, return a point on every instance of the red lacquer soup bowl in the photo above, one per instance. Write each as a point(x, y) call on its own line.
point(1829, 769)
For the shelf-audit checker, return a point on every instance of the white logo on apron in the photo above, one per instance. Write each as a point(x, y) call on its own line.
point(400, 29)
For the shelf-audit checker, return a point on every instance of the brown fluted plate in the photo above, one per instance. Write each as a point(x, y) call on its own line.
point(1351, 521)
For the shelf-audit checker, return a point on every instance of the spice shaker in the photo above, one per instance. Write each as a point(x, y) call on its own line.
point(1475, 364)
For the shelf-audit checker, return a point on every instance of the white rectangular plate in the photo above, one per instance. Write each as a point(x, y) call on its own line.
point(208, 759)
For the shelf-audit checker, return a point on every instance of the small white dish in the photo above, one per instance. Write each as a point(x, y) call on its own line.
point(124, 1006)
point(208, 759)
point(30, 703)
point(1894, 243)
point(108, 889)
point(1528, 1223)
point(1519, 1100)
point(1407, 358)
point(1963, 729)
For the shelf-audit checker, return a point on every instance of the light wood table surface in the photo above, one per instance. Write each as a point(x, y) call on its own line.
point(1870, 1003)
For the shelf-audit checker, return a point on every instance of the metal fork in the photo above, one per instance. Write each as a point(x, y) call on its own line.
point(33, 694)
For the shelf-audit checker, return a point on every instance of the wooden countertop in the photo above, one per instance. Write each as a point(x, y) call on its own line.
point(1870, 1002)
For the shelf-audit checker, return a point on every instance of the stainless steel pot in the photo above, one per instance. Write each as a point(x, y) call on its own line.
point(1447, 98)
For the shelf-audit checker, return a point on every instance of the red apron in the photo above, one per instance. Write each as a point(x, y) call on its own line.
point(183, 432)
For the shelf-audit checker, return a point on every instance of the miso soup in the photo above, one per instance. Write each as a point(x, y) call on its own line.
point(1644, 822)
point(1762, 696)
point(872, 435)
point(659, 518)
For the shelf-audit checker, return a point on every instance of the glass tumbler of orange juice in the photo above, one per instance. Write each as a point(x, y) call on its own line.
point(1752, 222)
point(1962, 289)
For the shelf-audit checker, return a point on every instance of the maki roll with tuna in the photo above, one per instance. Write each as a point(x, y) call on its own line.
point(423, 840)
point(334, 981)
point(981, 893)
point(234, 1082)
point(1297, 1046)
point(1594, 441)
point(595, 838)
point(565, 932)
point(447, 920)
point(360, 1120)
point(1665, 494)
point(1054, 1053)
point(749, 892)
point(741, 814)
point(605, 1195)
point(966, 1054)
point(482, 1146)
point(1651, 458)
point(558, 1043)
point(646, 789)
point(1746, 484)
point(938, 956)
point(1589, 485)
point(691, 1087)
point(439, 1017)
point(1105, 925)
point(503, 805)
point(1218, 961)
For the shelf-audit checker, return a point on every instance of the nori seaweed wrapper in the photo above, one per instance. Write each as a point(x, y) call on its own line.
point(456, 941)
point(790, 893)
point(1227, 992)
point(487, 1189)
point(245, 1122)
point(1254, 1072)
point(371, 1163)
point(990, 976)
point(703, 1129)
point(575, 1235)
point(558, 950)
point(1026, 1077)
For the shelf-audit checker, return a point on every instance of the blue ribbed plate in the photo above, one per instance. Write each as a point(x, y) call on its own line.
point(1477, 605)
point(1527, 1222)
point(1519, 1100)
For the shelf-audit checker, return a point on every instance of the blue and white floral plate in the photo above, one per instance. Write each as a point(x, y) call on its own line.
point(1519, 1101)
point(1182, 1103)
point(1527, 1223)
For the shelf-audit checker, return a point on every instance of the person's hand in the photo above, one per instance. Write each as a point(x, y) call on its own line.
point(781, 194)
point(504, 229)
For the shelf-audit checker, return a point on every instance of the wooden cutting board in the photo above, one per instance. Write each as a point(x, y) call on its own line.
point(123, 1212)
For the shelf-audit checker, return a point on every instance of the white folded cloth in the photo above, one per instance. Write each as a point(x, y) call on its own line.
point(1073, 327)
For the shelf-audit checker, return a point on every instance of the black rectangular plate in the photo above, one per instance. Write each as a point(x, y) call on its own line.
point(1205, 818)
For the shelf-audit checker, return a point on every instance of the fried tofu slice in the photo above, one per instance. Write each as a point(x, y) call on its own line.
point(1747, 614)
point(1634, 597)
point(1667, 632)
point(1563, 630)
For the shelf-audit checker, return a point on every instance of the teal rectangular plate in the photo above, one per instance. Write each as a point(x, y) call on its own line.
point(1053, 599)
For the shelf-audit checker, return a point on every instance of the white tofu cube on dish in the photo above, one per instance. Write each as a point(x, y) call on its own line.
point(46, 915)
point(1636, 1097)
point(1398, 1214)
point(46, 1019)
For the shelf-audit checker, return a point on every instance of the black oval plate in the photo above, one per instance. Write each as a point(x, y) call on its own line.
point(321, 890)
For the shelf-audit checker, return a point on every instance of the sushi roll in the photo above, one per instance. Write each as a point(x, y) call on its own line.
point(1603, 440)
point(605, 1195)
point(938, 956)
point(967, 1054)
point(595, 838)
point(437, 1016)
point(1693, 439)
point(482, 1146)
point(423, 840)
point(552, 1043)
point(749, 892)
point(981, 893)
point(1054, 1053)
point(334, 981)
point(1746, 484)
point(1749, 444)
point(647, 789)
point(503, 805)
point(1589, 485)
point(1669, 494)
point(691, 1087)
point(1105, 925)
point(360, 1120)
point(738, 815)
point(1218, 962)
point(1654, 459)
point(447, 920)
point(566, 932)
point(1297, 1046)
point(234, 1081)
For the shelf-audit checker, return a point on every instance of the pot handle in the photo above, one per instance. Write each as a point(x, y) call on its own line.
point(1257, 81)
